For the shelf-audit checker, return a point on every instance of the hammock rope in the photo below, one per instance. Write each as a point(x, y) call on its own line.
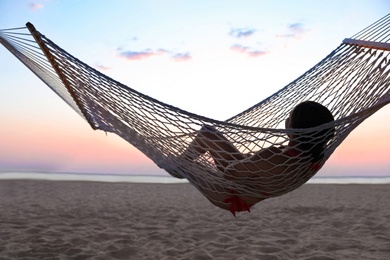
point(353, 82)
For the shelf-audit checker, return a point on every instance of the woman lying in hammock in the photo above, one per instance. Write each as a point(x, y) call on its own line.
point(273, 164)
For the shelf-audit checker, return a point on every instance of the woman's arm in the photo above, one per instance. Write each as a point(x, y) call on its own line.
point(264, 163)
point(231, 161)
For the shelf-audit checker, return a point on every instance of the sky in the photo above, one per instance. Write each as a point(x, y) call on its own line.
point(213, 58)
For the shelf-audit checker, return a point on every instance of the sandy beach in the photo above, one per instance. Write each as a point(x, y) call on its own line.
point(95, 220)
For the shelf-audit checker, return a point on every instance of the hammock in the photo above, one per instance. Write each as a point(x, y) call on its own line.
point(352, 82)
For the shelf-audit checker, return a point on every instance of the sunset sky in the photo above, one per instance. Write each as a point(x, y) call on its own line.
point(213, 58)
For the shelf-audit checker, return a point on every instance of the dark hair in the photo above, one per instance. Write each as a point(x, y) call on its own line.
point(311, 114)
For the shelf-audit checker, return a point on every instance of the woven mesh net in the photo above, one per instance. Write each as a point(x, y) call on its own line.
point(352, 82)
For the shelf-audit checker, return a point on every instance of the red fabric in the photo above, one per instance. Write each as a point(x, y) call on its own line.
point(291, 153)
point(316, 166)
point(237, 204)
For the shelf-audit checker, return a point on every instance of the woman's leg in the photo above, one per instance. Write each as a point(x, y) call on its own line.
point(211, 140)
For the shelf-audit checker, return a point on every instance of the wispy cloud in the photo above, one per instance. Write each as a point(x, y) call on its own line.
point(181, 56)
point(248, 51)
point(294, 31)
point(102, 67)
point(139, 55)
point(35, 6)
point(241, 32)
point(148, 53)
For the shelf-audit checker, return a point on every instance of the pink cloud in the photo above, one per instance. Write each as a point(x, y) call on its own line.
point(139, 55)
point(248, 51)
point(257, 53)
point(102, 67)
point(181, 56)
point(294, 31)
point(35, 6)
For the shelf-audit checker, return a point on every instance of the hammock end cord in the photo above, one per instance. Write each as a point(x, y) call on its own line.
point(29, 25)
point(51, 60)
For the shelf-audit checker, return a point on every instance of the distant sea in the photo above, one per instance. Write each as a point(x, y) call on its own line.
point(169, 180)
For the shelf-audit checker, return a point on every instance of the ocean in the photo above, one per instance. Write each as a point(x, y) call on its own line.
point(170, 180)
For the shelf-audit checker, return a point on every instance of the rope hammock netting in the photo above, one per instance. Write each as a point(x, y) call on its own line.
point(352, 82)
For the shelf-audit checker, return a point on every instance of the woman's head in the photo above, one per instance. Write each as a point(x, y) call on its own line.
point(306, 115)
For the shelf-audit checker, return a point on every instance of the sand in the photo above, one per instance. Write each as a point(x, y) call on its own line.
point(92, 220)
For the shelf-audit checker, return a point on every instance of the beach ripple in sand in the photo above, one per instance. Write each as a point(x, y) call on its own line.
point(89, 220)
